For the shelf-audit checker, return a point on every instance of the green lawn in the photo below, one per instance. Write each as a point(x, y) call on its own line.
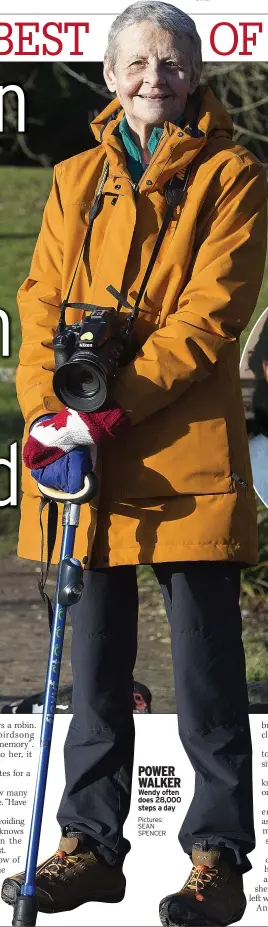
point(23, 194)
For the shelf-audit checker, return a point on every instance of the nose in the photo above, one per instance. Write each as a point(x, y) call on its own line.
point(154, 73)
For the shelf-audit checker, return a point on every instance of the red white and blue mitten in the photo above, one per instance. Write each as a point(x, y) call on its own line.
point(68, 473)
point(52, 437)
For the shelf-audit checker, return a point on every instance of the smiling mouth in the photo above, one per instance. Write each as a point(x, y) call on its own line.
point(145, 96)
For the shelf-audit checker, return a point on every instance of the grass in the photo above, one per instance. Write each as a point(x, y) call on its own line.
point(256, 653)
point(23, 195)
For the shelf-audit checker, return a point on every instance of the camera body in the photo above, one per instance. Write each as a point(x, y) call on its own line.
point(87, 355)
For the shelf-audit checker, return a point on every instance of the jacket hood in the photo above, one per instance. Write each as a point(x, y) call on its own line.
point(203, 112)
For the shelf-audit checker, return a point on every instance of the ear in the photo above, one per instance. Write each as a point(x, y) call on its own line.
point(109, 76)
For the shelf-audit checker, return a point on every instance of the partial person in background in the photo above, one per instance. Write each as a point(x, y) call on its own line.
point(258, 445)
point(176, 487)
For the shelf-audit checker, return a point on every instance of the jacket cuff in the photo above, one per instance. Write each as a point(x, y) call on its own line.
point(105, 423)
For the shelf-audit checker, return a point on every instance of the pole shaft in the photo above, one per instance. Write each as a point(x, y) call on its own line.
point(51, 690)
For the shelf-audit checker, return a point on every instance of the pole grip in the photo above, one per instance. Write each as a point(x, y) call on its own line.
point(88, 491)
point(25, 911)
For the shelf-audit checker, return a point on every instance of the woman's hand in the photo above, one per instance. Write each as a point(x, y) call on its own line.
point(68, 473)
point(54, 436)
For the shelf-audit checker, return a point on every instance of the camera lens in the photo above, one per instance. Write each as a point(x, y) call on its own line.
point(83, 379)
point(81, 385)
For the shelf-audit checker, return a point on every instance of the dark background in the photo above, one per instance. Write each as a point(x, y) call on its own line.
point(63, 98)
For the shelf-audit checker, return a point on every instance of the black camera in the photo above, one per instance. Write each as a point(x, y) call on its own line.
point(87, 355)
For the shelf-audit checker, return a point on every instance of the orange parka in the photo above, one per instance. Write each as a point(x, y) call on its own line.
point(167, 491)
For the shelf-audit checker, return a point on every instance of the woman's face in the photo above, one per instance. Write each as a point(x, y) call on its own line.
point(152, 76)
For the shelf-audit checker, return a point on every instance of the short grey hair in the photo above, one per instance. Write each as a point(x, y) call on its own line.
point(164, 16)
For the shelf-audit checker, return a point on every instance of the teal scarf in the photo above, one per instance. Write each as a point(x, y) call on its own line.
point(134, 162)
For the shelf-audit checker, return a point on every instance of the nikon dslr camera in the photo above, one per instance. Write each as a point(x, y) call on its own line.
point(87, 355)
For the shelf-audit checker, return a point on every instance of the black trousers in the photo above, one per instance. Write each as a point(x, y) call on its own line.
point(202, 605)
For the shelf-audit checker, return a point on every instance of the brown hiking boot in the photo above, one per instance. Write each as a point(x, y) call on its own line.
point(212, 895)
point(72, 876)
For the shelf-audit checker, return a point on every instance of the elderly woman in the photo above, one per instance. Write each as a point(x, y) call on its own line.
point(176, 485)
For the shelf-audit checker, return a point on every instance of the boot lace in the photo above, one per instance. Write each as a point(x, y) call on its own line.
point(59, 864)
point(200, 877)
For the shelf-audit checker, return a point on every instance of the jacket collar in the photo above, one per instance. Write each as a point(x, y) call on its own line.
point(204, 116)
point(133, 155)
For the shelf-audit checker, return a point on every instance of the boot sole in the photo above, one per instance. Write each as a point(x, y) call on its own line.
point(9, 895)
point(190, 918)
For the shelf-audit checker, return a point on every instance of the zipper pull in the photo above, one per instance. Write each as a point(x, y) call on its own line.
point(238, 479)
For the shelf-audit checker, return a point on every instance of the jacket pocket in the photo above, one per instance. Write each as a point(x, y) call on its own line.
point(175, 459)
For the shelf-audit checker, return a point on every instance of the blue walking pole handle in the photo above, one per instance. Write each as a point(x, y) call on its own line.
point(68, 590)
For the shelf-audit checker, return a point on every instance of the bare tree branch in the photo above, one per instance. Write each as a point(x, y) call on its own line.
point(245, 109)
point(97, 88)
point(38, 158)
point(244, 131)
point(241, 88)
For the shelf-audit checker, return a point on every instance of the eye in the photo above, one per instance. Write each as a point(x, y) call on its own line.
point(174, 65)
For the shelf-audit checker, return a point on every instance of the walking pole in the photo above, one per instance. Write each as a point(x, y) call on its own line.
point(68, 591)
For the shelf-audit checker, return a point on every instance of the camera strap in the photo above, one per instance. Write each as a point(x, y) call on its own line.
point(174, 191)
point(93, 212)
point(52, 524)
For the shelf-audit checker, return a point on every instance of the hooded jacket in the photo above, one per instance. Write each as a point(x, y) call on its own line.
point(181, 487)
